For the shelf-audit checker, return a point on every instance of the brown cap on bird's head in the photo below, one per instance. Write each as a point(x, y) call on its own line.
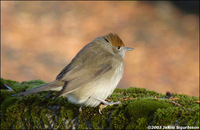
point(114, 39)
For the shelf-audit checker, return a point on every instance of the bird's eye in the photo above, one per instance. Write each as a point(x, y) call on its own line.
point(118, 47)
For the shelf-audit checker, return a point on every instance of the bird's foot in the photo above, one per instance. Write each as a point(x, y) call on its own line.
point(108, 103)
point(105, 103)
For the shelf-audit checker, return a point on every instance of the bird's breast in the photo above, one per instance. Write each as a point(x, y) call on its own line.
point(105, 85)
point(99, 88)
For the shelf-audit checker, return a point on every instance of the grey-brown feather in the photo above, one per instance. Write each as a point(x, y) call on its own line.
point(55, 85)
point(86, 68)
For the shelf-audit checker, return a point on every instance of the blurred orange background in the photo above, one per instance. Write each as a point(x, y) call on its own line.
point(38, 39)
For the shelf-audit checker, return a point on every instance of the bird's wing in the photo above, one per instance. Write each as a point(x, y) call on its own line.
point(86, 68)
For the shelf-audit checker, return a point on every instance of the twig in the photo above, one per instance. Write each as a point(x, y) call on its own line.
point(9, 88)
point(177, 104)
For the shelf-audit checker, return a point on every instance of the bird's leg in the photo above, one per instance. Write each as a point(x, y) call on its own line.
point(80, 109)
point(105, 103)
point(108, 103)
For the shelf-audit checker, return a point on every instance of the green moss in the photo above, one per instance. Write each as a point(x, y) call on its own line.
point(119, 120)
point(7, 82)
point(144, 108)
point(67, 112)
point(86, 114)
point(139, 109)
point(7, 102)
point(45, 116)
point(181, 115)
point(12, 117)
point(118, 90)
point(82, 126)
point(96, 122)
point(33, 83)
point(186, 100)
point(20, 87)
point(142, 111)
point(140, 124)
point(5, 94)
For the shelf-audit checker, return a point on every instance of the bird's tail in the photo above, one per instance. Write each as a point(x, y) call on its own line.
point(54, 86)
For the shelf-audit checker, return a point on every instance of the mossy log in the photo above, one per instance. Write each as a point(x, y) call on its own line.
point(140, 109)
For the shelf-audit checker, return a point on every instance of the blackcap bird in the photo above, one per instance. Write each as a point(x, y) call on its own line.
point(92, 75)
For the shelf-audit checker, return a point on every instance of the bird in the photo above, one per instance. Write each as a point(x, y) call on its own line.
point(93, 73)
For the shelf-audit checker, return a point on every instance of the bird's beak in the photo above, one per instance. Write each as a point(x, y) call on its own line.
point(129, 49)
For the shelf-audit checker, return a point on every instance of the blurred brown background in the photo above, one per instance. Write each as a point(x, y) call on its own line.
point(40, 38)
